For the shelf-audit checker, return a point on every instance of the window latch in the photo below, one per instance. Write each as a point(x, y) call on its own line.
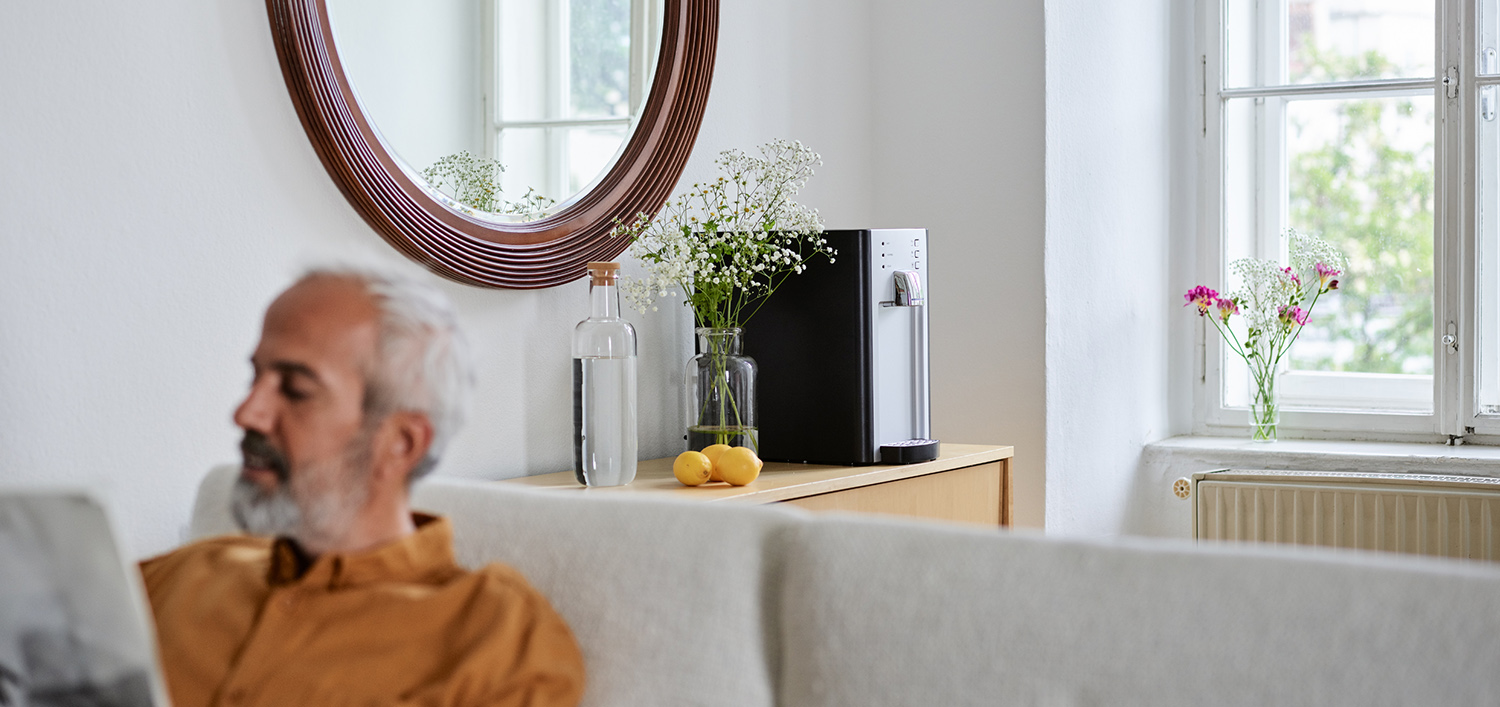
point(1450, 80)
point(1450, 339)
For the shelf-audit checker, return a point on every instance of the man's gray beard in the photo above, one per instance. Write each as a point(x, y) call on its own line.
point(330, 499)
point(260, 513)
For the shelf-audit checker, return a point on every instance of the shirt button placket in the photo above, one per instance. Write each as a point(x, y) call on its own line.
point(267, 635)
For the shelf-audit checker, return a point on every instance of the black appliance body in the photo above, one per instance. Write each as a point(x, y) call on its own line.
point(842, 353)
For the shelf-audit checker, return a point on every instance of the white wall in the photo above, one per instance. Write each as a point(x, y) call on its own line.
point(922, 116)
point(958, 147)
point(1120, 88)
point(158, 190)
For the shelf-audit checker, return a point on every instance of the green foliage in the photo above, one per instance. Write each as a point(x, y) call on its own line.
point(1374, 201)
point(1314, 65)
point(600, 49)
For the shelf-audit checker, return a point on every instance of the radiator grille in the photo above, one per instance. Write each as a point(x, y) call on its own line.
point(1412, 513)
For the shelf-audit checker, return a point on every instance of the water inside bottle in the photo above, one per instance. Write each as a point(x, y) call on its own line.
point(604, 423)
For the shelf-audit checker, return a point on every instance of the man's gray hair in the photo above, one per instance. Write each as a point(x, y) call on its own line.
point(423, 363)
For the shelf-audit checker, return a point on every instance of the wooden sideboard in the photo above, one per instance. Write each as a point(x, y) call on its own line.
point(969, 483)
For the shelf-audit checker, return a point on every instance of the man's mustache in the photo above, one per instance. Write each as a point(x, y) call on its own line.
point(257, 451)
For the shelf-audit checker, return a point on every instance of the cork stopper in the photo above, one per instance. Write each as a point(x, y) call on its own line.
point(603, 273)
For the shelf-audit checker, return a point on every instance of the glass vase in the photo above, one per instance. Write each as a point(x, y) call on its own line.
point(720, 392)
point(1265, 408)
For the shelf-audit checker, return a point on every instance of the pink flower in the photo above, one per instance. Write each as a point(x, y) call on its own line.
point(1289, 315)
point(1227, 307)
point(1293, 276)
point(1201, 296)
point(1326, 277)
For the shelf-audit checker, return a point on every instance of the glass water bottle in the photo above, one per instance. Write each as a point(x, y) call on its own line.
point(604, 421)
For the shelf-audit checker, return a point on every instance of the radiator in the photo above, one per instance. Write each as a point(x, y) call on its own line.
point(1414, 513)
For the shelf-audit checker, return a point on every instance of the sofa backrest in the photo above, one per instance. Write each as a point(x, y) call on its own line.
point(679, 603)
point(877, 612)
point(672, 603)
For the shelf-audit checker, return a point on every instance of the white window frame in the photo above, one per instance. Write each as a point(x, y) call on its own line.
point(1454, 415)
point(645, 32)
point(1477, 74)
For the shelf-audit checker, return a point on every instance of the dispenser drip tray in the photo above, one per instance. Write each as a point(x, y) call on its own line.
point(909, 451)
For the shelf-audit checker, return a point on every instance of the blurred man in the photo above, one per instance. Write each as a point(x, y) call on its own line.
point(359, 384)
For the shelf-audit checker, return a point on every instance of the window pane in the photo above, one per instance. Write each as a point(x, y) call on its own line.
point(599, 53)
point(556, 161)
point(590, 151)
point(1487, 59)
point(1318, 41)
point(523, 60)
point(530, 156)
point(1360, 174)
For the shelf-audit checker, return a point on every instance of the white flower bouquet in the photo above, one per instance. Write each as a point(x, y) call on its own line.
point(727, 246)
point(1271, 300)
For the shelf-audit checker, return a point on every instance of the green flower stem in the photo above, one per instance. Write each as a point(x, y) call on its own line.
point(1263, 406)
point(1263, 366)
point(730, 420)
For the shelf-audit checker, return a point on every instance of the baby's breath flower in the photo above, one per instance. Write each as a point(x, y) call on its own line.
point(475, 182)
point(718, 243)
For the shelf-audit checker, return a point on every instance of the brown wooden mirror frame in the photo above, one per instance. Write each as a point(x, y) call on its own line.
point(543, 253)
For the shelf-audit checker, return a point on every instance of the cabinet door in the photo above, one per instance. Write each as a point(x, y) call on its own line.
point(975, 494)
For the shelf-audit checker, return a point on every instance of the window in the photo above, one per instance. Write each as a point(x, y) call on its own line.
point(1371, 123)
point(568, 79)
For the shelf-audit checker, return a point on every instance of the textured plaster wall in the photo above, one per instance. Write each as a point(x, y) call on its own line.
point(157, 190)
point(1120, 138)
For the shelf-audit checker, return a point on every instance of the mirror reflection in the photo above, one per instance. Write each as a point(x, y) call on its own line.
point(509, 109)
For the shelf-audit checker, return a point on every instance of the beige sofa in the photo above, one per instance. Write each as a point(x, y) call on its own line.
point(686, 604)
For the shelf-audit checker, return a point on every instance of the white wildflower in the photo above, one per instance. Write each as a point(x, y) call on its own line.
point(741, 233)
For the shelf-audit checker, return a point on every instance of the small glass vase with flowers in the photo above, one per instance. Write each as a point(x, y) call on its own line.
point(727, 245)
point(1275, 302)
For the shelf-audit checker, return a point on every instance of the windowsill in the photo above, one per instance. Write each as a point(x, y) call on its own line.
point(1204, 453)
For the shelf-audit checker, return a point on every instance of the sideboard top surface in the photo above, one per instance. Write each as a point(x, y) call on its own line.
point(778, 481)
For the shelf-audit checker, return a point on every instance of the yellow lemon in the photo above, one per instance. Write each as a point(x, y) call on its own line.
point(713, 451)
point(739, 466)
point(691, 468)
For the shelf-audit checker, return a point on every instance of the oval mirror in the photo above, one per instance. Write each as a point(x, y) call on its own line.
point(498, 142)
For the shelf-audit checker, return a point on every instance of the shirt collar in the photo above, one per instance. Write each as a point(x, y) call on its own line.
point(425, 555)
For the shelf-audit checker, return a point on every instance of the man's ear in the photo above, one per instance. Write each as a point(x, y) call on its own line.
point(403, 441)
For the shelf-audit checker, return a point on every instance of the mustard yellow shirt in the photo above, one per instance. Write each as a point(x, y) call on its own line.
point(245, 621)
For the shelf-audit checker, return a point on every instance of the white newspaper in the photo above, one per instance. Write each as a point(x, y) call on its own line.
point(74, 625)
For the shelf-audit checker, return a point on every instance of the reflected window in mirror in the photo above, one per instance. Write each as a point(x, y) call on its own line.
point(550, 89)
point(570, 77)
